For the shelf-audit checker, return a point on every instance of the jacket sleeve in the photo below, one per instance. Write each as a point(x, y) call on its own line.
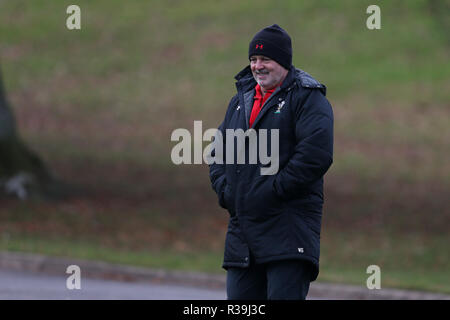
point(313, 151)
point(217, 170)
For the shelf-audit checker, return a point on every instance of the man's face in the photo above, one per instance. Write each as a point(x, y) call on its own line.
point(267, 72)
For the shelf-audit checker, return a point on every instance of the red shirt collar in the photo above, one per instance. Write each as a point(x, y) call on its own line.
point(258, 94)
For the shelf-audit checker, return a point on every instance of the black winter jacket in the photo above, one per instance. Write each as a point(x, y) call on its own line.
point(277, 217)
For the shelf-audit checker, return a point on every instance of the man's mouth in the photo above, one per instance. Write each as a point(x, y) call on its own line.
point(262, 76)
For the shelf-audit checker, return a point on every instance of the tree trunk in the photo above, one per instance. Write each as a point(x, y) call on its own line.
point(22, 173)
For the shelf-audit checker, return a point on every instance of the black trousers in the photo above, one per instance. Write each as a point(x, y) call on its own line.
point(280, 280)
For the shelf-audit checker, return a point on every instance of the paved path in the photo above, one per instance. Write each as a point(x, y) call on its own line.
point(19, 285)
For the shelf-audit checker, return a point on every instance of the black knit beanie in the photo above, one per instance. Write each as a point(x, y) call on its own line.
point(272, 42)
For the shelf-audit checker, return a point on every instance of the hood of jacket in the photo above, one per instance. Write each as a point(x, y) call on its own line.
point(246, 82)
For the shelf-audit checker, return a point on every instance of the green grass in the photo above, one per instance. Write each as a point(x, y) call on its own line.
point(413, 261)
point(99, 106)
point(164, 258)
point(134, 64)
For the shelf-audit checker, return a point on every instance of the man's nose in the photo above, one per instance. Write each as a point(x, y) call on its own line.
point(259, 64)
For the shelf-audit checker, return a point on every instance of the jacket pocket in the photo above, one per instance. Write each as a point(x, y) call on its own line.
point(310, 219)
point(261, 199)
point(229, 200)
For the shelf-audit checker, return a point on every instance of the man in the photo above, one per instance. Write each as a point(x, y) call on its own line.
point(272, 242)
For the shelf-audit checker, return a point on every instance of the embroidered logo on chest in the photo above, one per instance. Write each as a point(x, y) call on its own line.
point(280, 105)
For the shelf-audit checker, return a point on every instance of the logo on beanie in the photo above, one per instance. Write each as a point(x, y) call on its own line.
point(259, 46)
